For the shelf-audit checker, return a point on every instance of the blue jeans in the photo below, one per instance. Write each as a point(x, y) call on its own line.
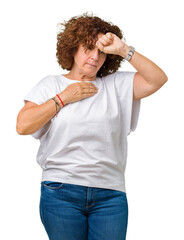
point(74, 212)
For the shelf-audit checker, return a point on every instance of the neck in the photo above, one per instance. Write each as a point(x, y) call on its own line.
point(79, 76)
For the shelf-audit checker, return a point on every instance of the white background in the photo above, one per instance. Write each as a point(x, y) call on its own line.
point(155, 168)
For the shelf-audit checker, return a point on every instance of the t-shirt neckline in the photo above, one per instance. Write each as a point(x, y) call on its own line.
point(72, 81)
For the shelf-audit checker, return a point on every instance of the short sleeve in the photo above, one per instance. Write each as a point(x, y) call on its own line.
point(39, 94)
point(130, 108)
point(42, 91)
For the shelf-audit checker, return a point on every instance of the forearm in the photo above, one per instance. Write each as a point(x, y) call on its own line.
point(34, 118)
point(153, 74)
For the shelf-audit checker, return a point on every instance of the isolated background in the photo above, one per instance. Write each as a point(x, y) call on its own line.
point(154, 172)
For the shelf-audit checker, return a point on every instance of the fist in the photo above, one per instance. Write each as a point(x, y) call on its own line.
point(111, 44)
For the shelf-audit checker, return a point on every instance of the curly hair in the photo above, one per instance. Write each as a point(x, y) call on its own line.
point(84, 29)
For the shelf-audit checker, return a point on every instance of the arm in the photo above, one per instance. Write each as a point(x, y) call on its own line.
point(32, 117)
point(149, 77)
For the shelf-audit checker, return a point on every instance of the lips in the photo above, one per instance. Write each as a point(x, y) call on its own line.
point(92, 65)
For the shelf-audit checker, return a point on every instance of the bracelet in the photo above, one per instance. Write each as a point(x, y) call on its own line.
point(130, 54)
point(60, 99)
point(57, 104)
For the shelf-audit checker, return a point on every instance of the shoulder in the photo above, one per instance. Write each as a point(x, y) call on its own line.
point(124, 74)
point(46, 86)
point(120, 75)
point(48, 80)
point(124, 78)
point(123, 81)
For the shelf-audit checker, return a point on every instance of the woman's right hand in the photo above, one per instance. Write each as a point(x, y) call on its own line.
point(32, 116)
point(78, 91)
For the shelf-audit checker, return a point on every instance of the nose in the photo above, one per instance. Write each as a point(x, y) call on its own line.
point(95, 53)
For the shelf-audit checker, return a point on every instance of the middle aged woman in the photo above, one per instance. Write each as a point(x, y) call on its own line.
point(83, 145)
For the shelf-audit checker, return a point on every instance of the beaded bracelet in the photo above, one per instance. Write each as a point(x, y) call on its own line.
point(57, 104)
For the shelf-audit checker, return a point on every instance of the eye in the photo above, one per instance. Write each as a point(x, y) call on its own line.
point(101, 52)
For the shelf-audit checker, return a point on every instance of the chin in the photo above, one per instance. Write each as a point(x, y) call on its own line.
point(91, 73)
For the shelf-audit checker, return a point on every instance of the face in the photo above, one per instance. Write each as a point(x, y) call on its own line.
point(89, 61)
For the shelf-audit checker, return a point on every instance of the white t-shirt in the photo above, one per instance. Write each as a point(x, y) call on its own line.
point(86, 143)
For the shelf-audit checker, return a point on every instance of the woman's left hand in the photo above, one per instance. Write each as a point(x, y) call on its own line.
point(111, 44)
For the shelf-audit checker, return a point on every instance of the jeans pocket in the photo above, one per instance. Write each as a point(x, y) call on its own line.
point(53, 185)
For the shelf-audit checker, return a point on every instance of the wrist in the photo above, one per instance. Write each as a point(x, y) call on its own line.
point(63, 97)
point(124, 51)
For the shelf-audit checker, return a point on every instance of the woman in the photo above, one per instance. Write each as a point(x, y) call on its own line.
point(82, 120)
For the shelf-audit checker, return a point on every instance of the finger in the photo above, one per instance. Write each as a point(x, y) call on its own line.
point(103, 41)
point(107, 39)
point(109, 35)
point(100, 45)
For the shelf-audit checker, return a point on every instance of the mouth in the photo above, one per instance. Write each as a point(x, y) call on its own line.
point(91, 65)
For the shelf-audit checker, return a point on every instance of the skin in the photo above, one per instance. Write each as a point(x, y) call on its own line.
point(82, 69)
point(147, 80)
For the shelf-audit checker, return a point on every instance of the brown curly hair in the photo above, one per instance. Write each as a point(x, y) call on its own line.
point(84, 29)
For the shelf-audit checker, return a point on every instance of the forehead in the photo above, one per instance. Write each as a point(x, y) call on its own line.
point(99, 35)
point(91, 42)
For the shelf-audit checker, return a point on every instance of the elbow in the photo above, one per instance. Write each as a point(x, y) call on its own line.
point(20, 126)
point(24, 128)
point(20, 129)
point(164, 80)
point(158, 84)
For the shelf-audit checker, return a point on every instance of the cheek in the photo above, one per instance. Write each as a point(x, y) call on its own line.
point(103, 59)
point(80, 59)
point(83, 58)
